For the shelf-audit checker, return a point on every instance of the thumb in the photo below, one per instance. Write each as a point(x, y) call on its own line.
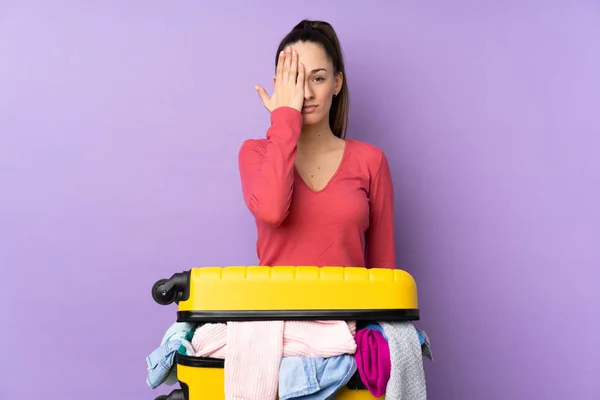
point(262, 93)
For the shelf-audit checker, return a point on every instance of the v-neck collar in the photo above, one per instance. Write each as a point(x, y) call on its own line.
point(335, 174)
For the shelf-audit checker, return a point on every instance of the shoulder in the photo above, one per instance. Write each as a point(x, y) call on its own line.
point(373, 165)
point(252, 146)
point(373, 157)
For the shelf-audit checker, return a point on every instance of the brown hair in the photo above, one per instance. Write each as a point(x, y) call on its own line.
point(322, 33)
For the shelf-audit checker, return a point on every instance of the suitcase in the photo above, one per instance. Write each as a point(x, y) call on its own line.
point(251, 293)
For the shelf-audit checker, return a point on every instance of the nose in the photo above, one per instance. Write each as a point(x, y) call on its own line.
point(308, 92)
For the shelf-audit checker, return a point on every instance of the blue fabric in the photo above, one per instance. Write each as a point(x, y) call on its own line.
point(305, 378)
point(177, 331)
point(186, 348)
point(160, 362)
point(186, 344)
point(421, 337)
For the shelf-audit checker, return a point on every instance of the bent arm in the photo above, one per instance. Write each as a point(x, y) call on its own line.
point(267, 169)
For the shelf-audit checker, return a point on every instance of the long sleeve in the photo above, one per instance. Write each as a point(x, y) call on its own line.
point(267, 168)
point(380, 248)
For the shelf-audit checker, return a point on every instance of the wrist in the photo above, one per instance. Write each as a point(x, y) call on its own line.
point(288, 108)
point(287, 116)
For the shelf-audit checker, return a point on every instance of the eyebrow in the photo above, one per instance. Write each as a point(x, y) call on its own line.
point(317, 70)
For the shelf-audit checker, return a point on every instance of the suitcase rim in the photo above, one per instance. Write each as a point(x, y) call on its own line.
point(389, 315)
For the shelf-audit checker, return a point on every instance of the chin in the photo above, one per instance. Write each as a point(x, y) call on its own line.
point(311, 119)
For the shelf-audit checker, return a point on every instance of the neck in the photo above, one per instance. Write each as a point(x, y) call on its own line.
point(315, 136)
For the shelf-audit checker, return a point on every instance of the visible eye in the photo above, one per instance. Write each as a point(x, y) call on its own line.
point(319, 79)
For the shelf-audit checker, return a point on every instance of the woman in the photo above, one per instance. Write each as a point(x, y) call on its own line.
point(318, 198)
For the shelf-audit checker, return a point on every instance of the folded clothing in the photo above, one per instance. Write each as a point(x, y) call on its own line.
point(318, 339)
point(373, 360)
point(160, 363)
point(252, 360)
point(407, 376)
point(306, 378)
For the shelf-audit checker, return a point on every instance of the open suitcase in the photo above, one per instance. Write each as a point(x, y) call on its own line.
point(221, 294)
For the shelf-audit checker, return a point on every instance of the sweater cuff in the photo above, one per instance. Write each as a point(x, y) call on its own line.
point(287, 116)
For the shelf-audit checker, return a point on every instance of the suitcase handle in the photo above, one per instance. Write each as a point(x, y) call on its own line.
point(174, 289)
point(175, 395)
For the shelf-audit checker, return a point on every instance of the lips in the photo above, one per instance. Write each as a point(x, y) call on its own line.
point(308, 109)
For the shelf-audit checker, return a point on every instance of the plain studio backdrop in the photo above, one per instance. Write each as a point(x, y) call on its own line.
point(120, 124)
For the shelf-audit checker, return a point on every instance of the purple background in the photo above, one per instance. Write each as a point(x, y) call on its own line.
point(120, 124)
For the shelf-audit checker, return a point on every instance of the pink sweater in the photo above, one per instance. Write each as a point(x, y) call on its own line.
point(319, 339)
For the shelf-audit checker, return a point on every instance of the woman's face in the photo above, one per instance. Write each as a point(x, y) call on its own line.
point(320, 84)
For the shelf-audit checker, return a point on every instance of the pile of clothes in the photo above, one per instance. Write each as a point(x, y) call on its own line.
point(300, 359)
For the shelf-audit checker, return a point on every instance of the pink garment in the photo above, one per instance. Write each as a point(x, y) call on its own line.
point(318, 339)
point(253, 350)
point(252, 360)
point(373, 360)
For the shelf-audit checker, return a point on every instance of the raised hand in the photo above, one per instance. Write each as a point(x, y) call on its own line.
point(289, 83)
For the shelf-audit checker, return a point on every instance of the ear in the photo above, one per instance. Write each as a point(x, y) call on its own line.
point(339, 80)
point(274, 80)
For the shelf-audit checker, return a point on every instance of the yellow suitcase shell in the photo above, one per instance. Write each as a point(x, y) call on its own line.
point(242, 293)
point(204, 378)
